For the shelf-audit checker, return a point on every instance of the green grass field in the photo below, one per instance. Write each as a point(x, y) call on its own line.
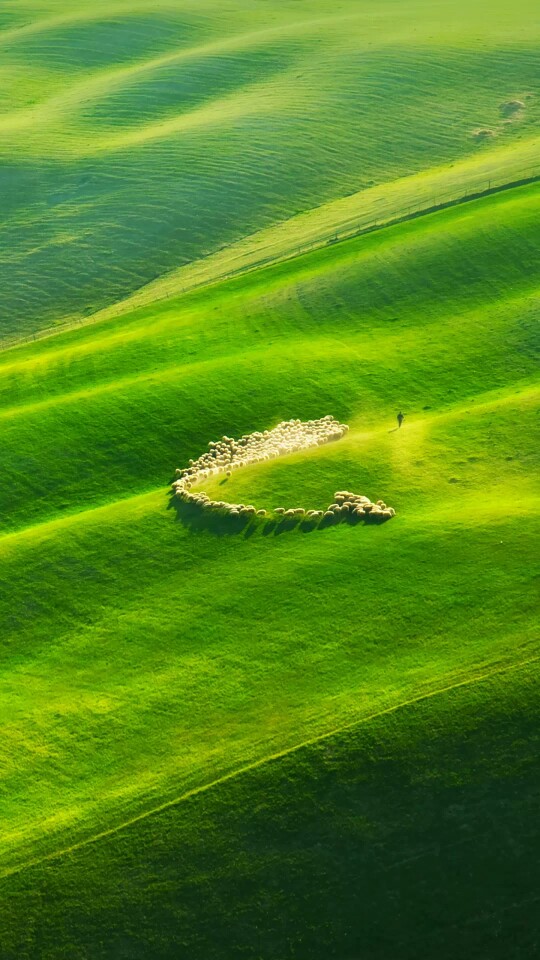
point(262, 743)
point(137, 137)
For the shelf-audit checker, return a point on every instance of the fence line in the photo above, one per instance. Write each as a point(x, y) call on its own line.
point(442, 201)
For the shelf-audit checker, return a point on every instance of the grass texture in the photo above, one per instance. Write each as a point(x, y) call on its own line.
point(137, 137)
point(268, 743)
point(144, 659)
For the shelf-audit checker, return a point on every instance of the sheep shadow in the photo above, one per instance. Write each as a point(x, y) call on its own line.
point(309, 525)
point(222, 524)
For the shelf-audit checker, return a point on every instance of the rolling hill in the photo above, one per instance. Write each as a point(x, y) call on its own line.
point(138, 137)
point(269, 743)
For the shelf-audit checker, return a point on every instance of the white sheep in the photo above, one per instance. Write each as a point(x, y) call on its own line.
point(229, 454)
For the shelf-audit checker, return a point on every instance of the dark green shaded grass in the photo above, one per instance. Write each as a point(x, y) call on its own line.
point(415, 834)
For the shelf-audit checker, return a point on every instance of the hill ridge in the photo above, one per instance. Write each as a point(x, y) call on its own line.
point(216, 268)
point(256, 764)
point(526, 393)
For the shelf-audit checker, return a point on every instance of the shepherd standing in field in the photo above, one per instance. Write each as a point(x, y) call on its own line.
point(400, 419)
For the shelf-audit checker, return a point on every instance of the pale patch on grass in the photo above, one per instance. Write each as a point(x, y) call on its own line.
point(489, 507)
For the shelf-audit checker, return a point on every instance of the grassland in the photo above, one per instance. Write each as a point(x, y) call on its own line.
point(268, 744)
point(428, 813)
point(135, 138)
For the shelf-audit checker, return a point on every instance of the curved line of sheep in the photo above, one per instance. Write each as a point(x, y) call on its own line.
point(228, 454)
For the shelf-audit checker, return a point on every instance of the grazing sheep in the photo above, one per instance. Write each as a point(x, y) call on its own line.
point(229, 454)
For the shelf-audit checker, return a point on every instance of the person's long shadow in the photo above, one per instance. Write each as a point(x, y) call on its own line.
point(196, 520)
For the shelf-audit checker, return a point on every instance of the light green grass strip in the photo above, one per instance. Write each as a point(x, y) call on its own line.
point(345, 218)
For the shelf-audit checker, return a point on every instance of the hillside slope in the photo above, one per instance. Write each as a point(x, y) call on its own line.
point(144, 657)
point(417, 832)
point(269, 740)
point(137, 137)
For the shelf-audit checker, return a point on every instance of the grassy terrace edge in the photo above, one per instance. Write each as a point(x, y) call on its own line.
point(168, 287)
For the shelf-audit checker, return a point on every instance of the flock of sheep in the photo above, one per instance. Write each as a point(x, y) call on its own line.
point(229, 454)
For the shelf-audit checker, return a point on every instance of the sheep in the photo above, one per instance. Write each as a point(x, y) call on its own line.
point(261, 513)
point(287, 437)
point(229, 454)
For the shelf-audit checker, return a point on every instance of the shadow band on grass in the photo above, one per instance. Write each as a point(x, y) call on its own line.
point(222, 524)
